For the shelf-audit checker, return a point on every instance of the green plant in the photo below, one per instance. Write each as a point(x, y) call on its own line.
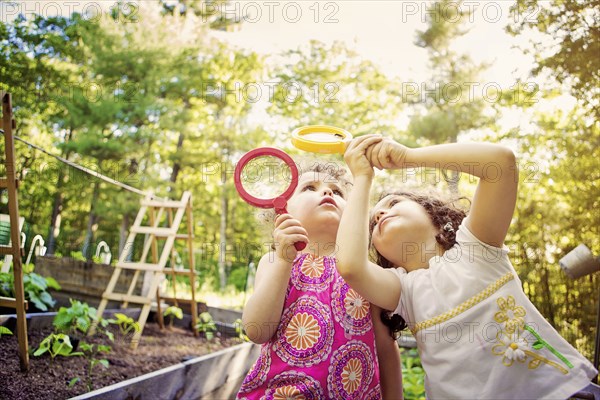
point(78, 317)
point(5, 331)
point(239, 330)
point(413, 376)
point(173, 312)
point(206, 325)
point(91, 352)
point(35, 287)
point(126, 324)
point(57, 344)
point(78, 255)
point(97, 260)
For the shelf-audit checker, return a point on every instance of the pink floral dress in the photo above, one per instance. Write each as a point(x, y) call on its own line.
point(324, 347)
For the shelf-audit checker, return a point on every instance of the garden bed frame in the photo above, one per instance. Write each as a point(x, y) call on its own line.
point(216, 375)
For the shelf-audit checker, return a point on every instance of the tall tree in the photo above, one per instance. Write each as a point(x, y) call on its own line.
point(332, 85)
point(448, 106)
point(570, 45)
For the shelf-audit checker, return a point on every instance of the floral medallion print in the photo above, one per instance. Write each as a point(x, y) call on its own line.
point(305, 334)
point(312, 273)
point(293, 385)
point(258, 374)
point(350, 309)
point(374, 394)
point(351, 371)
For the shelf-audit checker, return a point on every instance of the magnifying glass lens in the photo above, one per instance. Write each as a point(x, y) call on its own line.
point(266, 177)
point(323, 137)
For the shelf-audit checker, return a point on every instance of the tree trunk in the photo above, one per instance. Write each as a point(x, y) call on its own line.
point(123, 232)
point(176, 165)
point(223, 235)
point(55, 218)
point(93, 218)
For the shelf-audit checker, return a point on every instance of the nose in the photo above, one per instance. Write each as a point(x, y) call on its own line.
point(327, 192)
point(379, 215)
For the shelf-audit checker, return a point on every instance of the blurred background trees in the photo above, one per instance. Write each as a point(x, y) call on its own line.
point(152, 97)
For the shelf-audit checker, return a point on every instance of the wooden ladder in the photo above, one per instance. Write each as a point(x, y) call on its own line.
point(173, 211)
point(14, 247)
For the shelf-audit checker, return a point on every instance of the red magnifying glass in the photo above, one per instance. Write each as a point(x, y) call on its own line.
point(279, 202)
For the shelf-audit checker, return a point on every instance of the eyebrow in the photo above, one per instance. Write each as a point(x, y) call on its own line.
point(386, 201)
point(313, 181)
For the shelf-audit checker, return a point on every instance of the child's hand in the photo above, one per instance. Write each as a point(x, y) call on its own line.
point(356, 155)
point(387, 154)
point(287, 232)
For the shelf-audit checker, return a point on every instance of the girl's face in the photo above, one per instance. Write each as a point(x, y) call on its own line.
point(319, 199)
point(401, 228)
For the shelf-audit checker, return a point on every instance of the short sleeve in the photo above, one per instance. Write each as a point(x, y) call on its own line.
point(404, 307)
point(473, 250)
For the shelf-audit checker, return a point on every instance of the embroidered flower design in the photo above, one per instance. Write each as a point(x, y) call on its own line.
point(512, 315)
point(512, 346)
point(356, 306)
point(511, 349)
point(288, 393)
point(312, 267)
point(303, 331)
point(352, 375)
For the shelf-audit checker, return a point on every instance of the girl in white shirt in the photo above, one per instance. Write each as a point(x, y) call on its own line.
point(449, 279)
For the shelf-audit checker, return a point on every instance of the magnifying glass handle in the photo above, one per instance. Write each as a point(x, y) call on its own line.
point(280, 204)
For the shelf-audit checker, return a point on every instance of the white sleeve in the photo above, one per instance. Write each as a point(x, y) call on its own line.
point(476, 250)
point(405, 293)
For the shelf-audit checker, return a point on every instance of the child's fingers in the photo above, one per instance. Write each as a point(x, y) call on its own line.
point(372, 153)
point(380, 158)
point(280, 218)
point(293, 229)
point(298, 238)
point(285, 220)
point(363, 145)
point(356, 143)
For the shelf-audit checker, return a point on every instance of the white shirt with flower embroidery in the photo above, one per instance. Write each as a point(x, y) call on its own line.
point(479, 336)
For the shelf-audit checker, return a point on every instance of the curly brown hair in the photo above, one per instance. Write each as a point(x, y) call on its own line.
point(446, 217)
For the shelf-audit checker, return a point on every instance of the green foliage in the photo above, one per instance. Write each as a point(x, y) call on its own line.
point(35, 287)
point(126, 324)
point(206, 325)
point(173, 312)
point(569, 46)
point(413, 376)
point(56, 344)
point(78, 255)
point(91, 352)
point(78, 317)
point(5, 331)
point(239, 330)
point(237, 277)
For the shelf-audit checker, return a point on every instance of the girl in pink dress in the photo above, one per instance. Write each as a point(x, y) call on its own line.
point(318, 336)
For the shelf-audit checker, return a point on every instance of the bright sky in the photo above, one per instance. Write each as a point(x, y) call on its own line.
point(383, 31)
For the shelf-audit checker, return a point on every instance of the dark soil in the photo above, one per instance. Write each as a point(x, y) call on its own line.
point(47, 379)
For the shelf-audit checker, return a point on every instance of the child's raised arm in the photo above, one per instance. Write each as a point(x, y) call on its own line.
point(262, 313)
point(494, 201)
point(379, 286)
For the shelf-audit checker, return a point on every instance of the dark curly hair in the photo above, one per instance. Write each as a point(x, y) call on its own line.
point(446, 217)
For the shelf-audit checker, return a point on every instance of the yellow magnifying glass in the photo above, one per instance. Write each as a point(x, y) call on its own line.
point(323, 139)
